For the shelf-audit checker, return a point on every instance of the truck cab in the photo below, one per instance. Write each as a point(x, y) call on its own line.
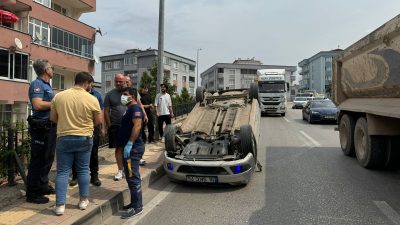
point(272, 89)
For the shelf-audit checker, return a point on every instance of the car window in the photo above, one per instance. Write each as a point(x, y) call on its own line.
point(300, 99)
point(322, 104)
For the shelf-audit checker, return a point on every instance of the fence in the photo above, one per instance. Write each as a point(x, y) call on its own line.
point(183, 108)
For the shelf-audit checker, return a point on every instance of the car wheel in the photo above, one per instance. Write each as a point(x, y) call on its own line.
point(370, 150)
point(346, 134)
point(247, 141)
point(170, 134)
point(199, 94)
point(253, 91)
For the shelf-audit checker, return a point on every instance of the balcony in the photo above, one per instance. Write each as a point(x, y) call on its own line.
point(191, 84)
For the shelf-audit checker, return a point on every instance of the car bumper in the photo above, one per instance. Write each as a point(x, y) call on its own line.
point(322, 118)
point(175, 169)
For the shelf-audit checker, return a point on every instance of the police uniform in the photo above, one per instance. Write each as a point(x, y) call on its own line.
point(43, 141)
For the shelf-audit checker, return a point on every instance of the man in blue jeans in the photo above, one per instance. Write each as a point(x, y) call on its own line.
point(133, 148)
point(76, 113)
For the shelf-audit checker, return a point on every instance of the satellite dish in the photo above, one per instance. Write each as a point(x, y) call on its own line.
point(96, 59)
point(18, 43)
point(39, 36)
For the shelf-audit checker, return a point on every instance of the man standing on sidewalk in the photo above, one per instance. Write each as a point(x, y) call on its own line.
point(163, 105)
point(76, 113)
point(113, 111)
point(43, 134)
point(147, 105)
point(94, 155)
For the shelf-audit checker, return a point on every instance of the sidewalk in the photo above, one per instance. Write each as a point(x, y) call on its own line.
point(104, 200)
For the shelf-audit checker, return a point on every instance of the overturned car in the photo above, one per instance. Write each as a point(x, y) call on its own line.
point(217, 142)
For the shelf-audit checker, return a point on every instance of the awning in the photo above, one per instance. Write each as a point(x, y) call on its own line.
point(8, 17)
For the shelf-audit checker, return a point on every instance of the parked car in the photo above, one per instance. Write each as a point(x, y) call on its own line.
point(217, 142)
point(319, 111)
point(299, 102)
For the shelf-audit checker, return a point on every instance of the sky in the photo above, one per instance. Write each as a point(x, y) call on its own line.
point(276, 32)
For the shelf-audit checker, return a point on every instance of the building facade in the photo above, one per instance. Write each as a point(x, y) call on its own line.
point(48, 29)
point(178, 70)
point(239, 74)
point(316, 72)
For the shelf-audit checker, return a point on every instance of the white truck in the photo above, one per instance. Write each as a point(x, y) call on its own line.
point(272, 89)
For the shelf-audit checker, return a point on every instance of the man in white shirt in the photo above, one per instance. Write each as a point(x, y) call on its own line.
point(164, 111)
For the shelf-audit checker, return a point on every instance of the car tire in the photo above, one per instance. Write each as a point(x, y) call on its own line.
point(199, 94)
point(169, 138)
point(346, 134)
point(253, 91)
point(370, 150)
point(247, 141)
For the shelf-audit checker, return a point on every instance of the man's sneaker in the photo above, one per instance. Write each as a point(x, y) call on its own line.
point(59, 209)
point(73, 182)
point(142, 162)
point(162, 140)
point(131, 212)
point(48, 191)
point(119, 175)
point(83, 204)
point(37, 199)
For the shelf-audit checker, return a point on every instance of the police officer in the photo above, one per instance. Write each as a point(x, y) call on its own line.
point(43, 134)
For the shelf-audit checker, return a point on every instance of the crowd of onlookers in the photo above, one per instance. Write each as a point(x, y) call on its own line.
point(70, 124)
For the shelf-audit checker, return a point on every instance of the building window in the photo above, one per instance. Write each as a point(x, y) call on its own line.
point(44, 2)
point(39, 31)
point(248, 71)
point(166, 61)
point(13, 65)
point(232, 72)
point(130, 60)
point(108, 78)
point(220, 70)
point(64, 40)
point(117, 64)
point(57, 82)
point(185, 68)
point(184, 81)
point(174, 77)
point(175, 65)
point(59, 8)
point(5, 113)
point(108, 66)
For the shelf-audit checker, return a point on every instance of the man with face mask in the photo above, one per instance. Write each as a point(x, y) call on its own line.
point(76, 113)
point(164, 111)
point(113, 111)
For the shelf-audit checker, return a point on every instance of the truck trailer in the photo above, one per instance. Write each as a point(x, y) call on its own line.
point(366, 89)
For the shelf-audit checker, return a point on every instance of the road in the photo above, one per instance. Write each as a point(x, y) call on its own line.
point(305, 180)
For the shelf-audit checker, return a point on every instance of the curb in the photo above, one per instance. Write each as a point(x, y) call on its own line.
point(113, 205)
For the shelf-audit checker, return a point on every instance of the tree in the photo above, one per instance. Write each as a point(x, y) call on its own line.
point(185, 96)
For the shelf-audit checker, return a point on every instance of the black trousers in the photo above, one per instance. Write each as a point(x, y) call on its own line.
point(94, 156)
point(43, 144)
point(161, 120)
point(150, 128)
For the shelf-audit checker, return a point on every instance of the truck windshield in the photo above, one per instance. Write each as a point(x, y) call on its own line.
point(271, 87)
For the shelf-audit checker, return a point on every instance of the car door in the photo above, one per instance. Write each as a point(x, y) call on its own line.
point(306, 110)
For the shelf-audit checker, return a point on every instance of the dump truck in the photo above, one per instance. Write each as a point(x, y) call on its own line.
point(366, 89)
point(217, 142)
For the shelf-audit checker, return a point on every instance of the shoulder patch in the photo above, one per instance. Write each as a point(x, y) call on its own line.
point(36, 90)
point(138, 114)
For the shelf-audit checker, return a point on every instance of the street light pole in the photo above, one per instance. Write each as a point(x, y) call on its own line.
point(197, 67)
point(160, 65)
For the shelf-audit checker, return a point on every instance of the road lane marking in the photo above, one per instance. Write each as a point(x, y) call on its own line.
point(286, 119)
point(152, 204)
point(314, 142)
point(389, 212)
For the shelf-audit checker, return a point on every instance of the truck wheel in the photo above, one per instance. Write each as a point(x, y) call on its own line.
point(283, 114)
point(170, 133)
point(393, 153)
point(199, 94)
point(253, 91)
point(370, 150)
point(346, 134)
point(247, 141)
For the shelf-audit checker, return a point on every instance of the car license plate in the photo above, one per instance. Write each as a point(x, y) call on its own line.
point(329, 117)
point(201, 179)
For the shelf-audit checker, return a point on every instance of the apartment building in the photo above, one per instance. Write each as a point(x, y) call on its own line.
point(316, 72)
point(239, 74)
point(178, 70)
point(48, 29)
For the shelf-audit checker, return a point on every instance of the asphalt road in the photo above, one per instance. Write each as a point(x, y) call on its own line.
point(305, 180)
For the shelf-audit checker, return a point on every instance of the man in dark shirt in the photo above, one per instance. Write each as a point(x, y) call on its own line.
point(94, 155)
point(43, 134)
point(148, 106)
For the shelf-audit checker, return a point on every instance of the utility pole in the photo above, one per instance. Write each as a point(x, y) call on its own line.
point(160, 64)
point(197, 67)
